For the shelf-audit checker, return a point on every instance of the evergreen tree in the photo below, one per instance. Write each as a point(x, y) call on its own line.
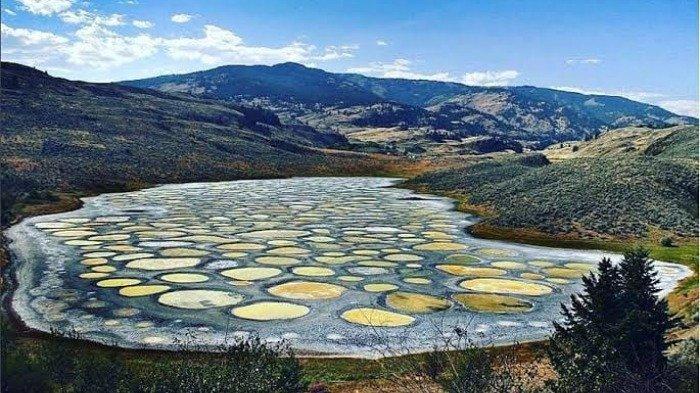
point(642, 340)
point(612, 338)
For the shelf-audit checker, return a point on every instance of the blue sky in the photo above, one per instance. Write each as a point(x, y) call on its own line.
point(644, 50)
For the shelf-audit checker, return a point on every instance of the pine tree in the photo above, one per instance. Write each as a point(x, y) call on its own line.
point(612, 338)
point(642, 340)
point(580, 349)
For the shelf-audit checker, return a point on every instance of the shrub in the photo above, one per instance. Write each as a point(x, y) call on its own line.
point(667, 241)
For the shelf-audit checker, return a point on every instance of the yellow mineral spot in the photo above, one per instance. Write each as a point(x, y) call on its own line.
point(475, 271)
point(558, 281)
point(288, 251)
point(585, 267)
point(142, 290)
point(104, 269)
point(509, 265)
point(504, 286)
point(313, 271)
point(75, 233)
point(81, 243)
point(53, 225)
point(366, 252)
point(275, 260)
point(377, 263)
point(339, 260)
point(233, 255)
point(538, 263)
point(531, 276)
point(251, 273)
point(282, 242)
point(118, 282)
point(182, 252)
point(205, 239)
point(417, 280)
point(113, 237)
point(440, 246)
point(162, 263)
point(130, 257)
point(497, 252)
point(99, 254)
point(276, 233)
point(199, 299)
point(94, 261)
point(76, 220)
point(123, 248)
point(376, 317)
point(490, 303)
point(380, 287)
point(307, 290)
point(403, 257)
point(268, 311)
point(90, 276)
point(416, 302)
point(241, 247)
point(184, 277)
point(561, 272)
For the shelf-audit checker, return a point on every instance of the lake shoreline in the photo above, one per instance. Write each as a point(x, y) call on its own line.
point(14, 317)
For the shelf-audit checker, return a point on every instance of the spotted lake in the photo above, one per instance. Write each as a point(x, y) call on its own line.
point(344, 266)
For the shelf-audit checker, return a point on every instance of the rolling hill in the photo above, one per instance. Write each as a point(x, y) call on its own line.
point(626, 183)
point(303, 95)
point(60, 136)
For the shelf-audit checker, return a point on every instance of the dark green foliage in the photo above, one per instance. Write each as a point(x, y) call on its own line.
point(613, 337)
point(60, 365)
point(667, 241)
point(684, 364)
point(682, 144)
point(622, 195)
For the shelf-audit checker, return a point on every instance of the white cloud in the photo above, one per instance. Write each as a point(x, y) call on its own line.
point(85, 17)
point(45, 7)
point(28, 37)
point(181, 18)
point(221, 46)
point(643, 96)
point(142, 24)
point(99, 47)
point(399, 68)
point(681, 107)
point(382, 43)
point(9, 12)
point(490, 78)
point(677, 106)
point(588, 61)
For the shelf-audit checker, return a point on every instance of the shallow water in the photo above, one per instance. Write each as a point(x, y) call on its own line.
point(329, 265)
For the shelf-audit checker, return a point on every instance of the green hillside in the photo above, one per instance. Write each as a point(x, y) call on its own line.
point(618, 195)
point(61, 136)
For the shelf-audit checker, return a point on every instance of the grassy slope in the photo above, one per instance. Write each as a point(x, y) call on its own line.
point(621, 190)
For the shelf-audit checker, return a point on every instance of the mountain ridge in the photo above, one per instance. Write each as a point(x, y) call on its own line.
point(527, 113)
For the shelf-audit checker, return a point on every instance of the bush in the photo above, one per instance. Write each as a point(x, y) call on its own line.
point(667, 241)
point(58, 365)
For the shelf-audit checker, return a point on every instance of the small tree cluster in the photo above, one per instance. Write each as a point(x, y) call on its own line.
point(613, 337)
